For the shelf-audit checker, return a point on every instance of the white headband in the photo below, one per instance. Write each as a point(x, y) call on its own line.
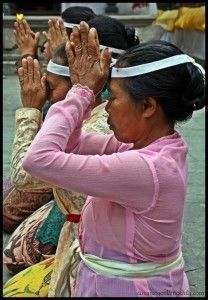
point(114, 50)
point(63, 70)
point(58, 69)
point(137, 70)
point(151, 67)
point(200, 67)
point(70, 25)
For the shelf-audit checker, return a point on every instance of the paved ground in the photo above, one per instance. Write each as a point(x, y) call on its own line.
point(194, 220)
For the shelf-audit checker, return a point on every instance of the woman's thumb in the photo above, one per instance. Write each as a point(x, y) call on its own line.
point(43, 81)
point(37, 34)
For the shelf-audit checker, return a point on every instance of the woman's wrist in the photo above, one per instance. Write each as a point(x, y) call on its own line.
point(85, 89)
point(19, 61)
point(85, 92)
point(28, 53)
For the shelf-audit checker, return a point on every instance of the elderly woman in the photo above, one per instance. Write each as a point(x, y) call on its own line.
point(36, 238)
point(18, 203)
point(129, 233)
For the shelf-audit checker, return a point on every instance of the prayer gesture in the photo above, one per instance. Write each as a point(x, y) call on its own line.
point(56, 34)
point(26, 39)
point(88, 66)
point(33, 87)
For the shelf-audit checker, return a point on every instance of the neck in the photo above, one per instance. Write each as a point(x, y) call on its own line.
point(152, 135)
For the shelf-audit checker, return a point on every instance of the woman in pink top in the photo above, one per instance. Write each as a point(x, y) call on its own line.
point(136, 178)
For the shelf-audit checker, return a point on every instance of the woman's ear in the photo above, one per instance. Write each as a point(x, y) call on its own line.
point(150, 106)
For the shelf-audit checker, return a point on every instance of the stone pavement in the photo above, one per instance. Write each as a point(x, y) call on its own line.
point(194, 219)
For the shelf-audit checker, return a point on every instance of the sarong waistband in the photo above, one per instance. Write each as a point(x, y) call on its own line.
point(128, 270)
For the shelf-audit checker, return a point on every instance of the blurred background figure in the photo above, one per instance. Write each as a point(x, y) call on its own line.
point(6, 9)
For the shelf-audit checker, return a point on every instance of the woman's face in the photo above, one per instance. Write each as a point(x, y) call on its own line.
point(58, 87)
point(47, 53)
point(125, 118)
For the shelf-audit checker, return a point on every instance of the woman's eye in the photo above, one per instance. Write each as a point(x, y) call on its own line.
point(112, 98)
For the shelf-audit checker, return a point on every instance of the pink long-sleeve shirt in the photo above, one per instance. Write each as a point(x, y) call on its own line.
point(134, 210)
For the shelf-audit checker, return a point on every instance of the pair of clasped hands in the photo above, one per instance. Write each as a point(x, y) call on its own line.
point(87, 64)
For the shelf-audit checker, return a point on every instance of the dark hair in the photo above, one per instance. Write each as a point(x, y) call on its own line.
point(42, 47)
point(179, 89)
point(59, 57)
point(112, 32)
point(76, 14)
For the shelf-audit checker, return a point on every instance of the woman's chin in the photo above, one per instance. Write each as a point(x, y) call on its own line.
point(116, 135)
point(121, 139)
point(54, 101)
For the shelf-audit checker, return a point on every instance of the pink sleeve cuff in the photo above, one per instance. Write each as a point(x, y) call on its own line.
point(83, 91)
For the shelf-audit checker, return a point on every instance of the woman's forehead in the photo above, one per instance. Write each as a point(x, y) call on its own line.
point(51, 77)
point(115, 84)
point(57, 60)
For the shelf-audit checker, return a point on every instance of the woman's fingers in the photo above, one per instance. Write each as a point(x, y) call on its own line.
point(75, 38)
point(16, 26)
point(37, 35)
point(71, 60)
point(26, 27)
point(105, 60)
point(22, 28)
point(84, 30)
point(21, 76)
point(45, 35)
point(53, 28)
point(43, 82)
point(63, 30)
point(30, 66)
point(93, 48)
point(97, 40)
point(56, 26)
point(36, 70)
point(70, 53)
point(25, 70)
point(19, 35)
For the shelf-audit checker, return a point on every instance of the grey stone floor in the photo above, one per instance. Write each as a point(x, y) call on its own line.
point(194, 219)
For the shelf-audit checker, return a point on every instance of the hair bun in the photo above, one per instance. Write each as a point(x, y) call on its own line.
point(193, 104)
point(132, 38)
point(198, 104)
point(194, 95)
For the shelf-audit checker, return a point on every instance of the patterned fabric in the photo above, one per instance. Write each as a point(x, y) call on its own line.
point(18, 205)
point(28, 122)
point(21, 202)
point(50, 230)
point(7, 186)
point(32, 282)
point(23, 249)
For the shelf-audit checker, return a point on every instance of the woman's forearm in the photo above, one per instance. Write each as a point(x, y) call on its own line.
point(101, 175)
point(61, 128)
point(28, 122)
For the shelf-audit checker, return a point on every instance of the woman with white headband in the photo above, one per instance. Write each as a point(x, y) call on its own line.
point(36, 238)
point(19, 204)
point(130, 233)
